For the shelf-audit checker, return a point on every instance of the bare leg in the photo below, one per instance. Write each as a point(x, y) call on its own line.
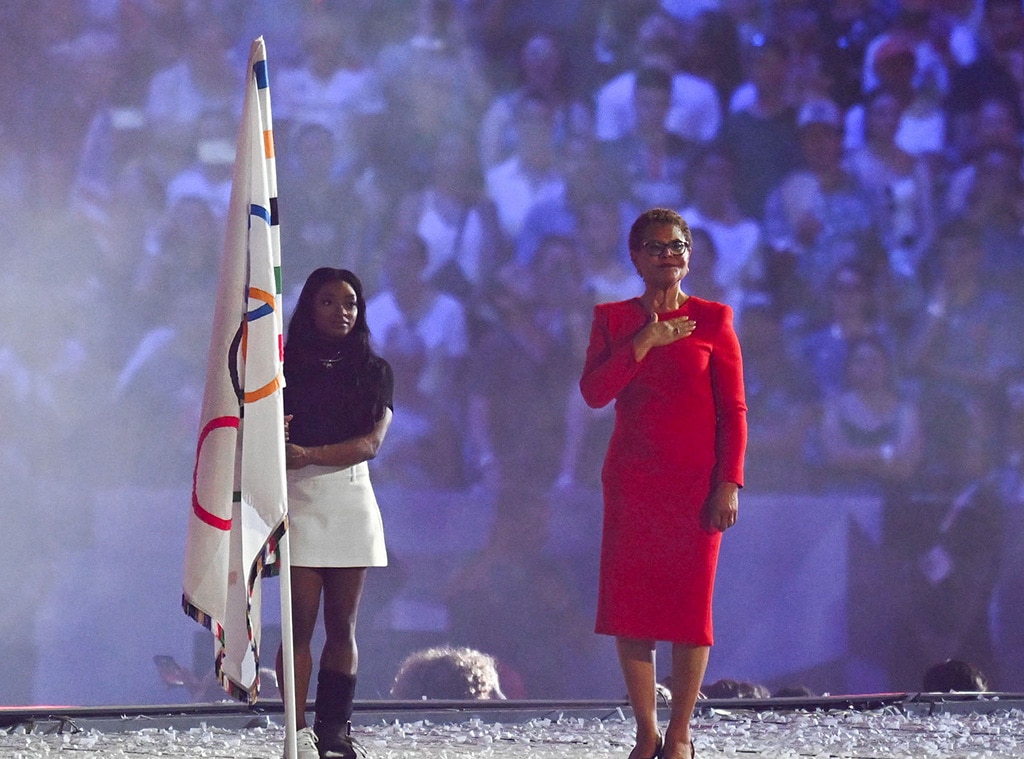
point(306, 586)
point(688, 666)
point(636, 657)
point(343, 588)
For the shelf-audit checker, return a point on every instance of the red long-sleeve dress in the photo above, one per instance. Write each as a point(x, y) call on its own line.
point(680, 428)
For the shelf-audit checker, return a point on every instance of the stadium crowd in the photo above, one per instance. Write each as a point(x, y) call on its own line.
point(852, 170)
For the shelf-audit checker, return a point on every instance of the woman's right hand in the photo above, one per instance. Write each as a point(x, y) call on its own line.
point(658, 333)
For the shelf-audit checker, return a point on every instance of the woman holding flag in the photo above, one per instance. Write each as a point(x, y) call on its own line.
point(338, 406)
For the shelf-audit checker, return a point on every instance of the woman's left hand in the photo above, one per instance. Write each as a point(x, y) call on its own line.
point(721, 508)
point(295, 456)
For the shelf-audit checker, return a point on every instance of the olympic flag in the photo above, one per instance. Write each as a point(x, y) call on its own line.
point(239, 511)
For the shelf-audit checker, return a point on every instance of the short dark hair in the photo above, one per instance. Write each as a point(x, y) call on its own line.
point(653, 216)
point(954, 675)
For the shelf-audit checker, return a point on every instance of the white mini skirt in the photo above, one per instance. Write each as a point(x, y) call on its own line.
point(333, 518)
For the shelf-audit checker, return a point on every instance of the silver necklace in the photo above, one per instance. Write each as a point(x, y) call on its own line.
point(328, 363)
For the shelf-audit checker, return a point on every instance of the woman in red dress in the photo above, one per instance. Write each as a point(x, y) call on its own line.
point(671, 362)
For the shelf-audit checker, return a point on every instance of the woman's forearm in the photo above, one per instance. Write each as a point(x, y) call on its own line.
point(341, 455)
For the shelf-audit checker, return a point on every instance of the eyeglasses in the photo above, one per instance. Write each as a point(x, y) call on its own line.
point(656, 247)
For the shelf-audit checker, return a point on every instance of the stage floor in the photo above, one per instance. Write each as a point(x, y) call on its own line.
point(889, 727)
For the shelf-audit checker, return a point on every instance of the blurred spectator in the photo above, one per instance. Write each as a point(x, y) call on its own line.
point(151, 36)
point(996, 72)
point(536, 335)
point(326, 221)
point(184, 257)
point(871, 436)
point(760, 129)
point(113, 131)
point(921, 123)
point(652, 159)
point(136, 219)
point(912, 23)
point(606, 278)
point(964, 343)
point(847, 26)
point(154, 404)
point(695, 111)
point(954, 675)
point(714, 208)
point(433, 84)
point(901, 191)
point(205, 78)
point(458, 223)
point(607, 274)
point(819, 217)
point(822, 349)
point(994, 154)
point(533, 174)
point(423, 334)
point(711, 51)
point(990, 125)
point(210, 173)
point(586, 174)
point(780, 401)
point(542, 75)
point(447, 673)
point(332, 86)
point(74, 117)
point(498, 29)
point(700, 280)
point(798, 25)
point(993, 201)
point(960, 23)
point(612, 49)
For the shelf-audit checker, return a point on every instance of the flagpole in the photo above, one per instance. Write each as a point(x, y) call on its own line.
point(288, 649)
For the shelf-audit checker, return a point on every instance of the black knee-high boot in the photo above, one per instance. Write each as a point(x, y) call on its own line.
point(334, 694)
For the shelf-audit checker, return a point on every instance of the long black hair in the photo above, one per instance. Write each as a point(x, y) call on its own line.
point(302, 330)
point(345, 396)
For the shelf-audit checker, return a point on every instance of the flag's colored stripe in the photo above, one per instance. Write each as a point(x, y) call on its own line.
point(268, 143)
point(257, 210)
point(277, 279)
point(263, 392)
point(205, 516)
point(273, 211)
point(265, 310)
point(258, 293)
point(259, 70)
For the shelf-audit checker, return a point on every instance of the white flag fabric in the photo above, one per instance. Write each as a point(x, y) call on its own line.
point(239, 496)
